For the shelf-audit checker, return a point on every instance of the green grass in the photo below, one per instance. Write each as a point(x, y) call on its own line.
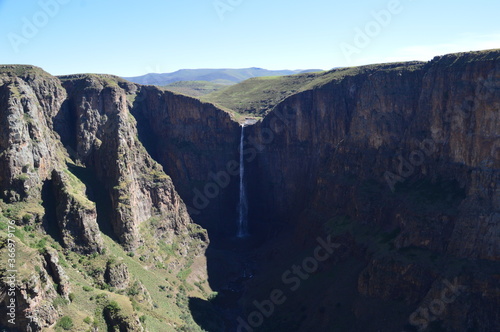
point(166, 314)
point(22, 70)
point(66, 323)
point(19, 210)
point(257, 96)
point(195, 88)
point(16, 93)
point(77, 189)
point(167, 311)
point(463, 58)
point(98, 81)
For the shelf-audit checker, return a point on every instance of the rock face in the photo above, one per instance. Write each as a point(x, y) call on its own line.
point(90, 115)
point(106, 141)
point(197, 144)
point(117, 275)
point(117, 321)
point(76, 215)
point(28, 104)
point(57, 273)
point(409, 148)
point(68, 146)
point(34, 291)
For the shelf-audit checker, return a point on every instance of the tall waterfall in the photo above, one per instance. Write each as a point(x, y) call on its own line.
point(243, 205)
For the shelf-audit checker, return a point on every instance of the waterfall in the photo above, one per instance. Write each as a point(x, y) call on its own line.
point(243, 204)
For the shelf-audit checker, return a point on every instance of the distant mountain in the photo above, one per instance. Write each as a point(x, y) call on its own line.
point(220, 76)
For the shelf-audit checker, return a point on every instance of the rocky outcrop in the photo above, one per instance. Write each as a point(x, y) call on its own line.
point(95, 125)
point(33, 290)
point(55, 270)
point(106, 141)
point(76, 215)
point(117, 275)
point(116, 320)
point(29, 101)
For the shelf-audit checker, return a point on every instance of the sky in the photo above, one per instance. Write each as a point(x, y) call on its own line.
point(132, 38)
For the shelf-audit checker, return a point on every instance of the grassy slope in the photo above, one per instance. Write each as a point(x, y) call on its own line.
point(22, 70)
point(257, 96)
point(195, 88)
point(167, 310)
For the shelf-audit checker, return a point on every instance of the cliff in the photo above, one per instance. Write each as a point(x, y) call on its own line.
point(399, 163)
point(197, 144)
point(75, 177)
point(106, 141)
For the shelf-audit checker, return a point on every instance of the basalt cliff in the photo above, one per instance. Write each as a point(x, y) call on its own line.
point(373, 199)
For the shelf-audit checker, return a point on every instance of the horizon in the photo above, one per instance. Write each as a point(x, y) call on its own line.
point(129, 39)
point(243, 68)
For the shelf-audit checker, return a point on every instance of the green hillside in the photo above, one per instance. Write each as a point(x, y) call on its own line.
point(257, 96)
point(195, 88)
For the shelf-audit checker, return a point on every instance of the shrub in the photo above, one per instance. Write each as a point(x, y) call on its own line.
point(134, 289)
point(59, 302)
point(27, 219)
point(142, 319)
point(87, 320)
point(113, 307)
point(87, 288)
point(71, 296)
point(23, 177)
point(41, 243)
point(66, 323)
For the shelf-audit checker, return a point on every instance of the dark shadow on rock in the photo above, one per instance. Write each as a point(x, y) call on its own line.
point(206, 315)
point(98, 194)
point(50, 218)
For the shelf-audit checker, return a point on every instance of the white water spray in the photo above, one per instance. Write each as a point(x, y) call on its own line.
point(243, 205)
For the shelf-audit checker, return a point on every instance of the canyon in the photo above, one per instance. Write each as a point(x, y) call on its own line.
point(372, 202)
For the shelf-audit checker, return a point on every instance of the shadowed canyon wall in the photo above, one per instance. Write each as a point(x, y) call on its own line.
point(407, 152)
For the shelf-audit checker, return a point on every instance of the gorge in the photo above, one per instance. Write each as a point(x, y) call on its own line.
point(138, 201)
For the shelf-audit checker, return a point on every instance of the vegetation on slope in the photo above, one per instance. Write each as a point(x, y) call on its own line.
point(258, 96)
point(195, 88)
point(157, 294)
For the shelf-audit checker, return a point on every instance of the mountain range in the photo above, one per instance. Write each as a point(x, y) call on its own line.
point(219, 76)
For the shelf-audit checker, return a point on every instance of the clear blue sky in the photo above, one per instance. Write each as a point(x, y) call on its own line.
point(130, 38)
